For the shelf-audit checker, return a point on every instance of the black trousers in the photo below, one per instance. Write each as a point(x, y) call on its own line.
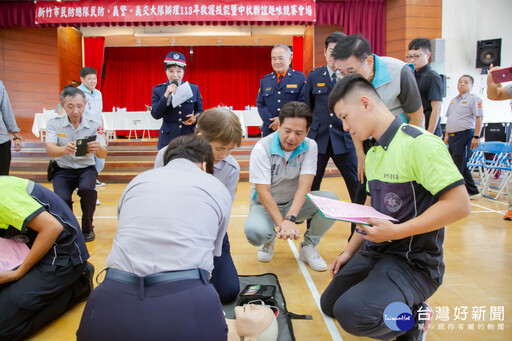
point(43, 294)
point(346, 164)
point(65, 180)
point(181, 310)
point(224, 275)
point(459, 146)
point(5, 158)
point(365, 286)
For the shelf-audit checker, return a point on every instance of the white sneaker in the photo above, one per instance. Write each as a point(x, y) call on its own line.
point(99, 184)
point(309, 254)
point(266, 251)
point(98, 202)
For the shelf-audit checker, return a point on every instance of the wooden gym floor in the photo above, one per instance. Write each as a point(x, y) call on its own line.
point(478, 257)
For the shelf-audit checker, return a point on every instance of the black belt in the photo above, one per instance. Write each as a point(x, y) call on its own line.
point(459, 132)
point(154, 279)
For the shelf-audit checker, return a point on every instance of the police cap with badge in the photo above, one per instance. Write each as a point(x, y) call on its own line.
point(175, 58)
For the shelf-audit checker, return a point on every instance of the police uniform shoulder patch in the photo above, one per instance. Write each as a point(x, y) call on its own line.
point(100, 130)
point(411, 130)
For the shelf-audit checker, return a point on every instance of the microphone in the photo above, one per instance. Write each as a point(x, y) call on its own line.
point(175, 82)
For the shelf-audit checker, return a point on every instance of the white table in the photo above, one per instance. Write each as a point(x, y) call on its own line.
point(131, 121)
point(248, 118)
point(39, 125)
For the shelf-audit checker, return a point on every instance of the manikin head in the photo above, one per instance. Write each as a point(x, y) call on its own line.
point(253, 323)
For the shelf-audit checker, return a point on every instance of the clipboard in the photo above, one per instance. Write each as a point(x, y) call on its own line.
point(81, 145)
point(344, 211)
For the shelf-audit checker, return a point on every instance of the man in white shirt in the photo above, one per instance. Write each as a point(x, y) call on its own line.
point(282, 168)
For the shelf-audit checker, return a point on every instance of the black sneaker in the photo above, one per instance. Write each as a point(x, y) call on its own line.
point(86, 282)
point(89, 236)
point(419, 331)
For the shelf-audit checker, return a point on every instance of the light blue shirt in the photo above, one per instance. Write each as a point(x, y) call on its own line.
point(227, 171)
point(7, 121)
point(94, 106)
point(170, 218)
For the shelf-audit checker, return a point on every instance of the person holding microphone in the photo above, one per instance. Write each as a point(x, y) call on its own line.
point(180, 119)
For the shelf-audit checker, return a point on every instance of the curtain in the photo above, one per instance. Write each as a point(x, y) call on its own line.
point(226, 75)
point(230, 75)
point(17, 14)
point(94, 52)
point(298, 53)
point(367, 17)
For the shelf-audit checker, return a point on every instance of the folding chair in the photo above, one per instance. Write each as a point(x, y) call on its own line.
point(496, 170)
point(476, 162)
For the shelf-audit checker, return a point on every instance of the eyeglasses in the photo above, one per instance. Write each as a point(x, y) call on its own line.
point(344, 74)
point(413, 56)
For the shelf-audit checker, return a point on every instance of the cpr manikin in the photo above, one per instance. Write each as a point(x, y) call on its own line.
point(253, 323)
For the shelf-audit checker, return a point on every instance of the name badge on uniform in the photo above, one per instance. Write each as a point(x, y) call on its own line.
point(320, 84)
point(268, 89)
point(452, 103)
point(291, 86)
point(61, 135)
point(464, 102)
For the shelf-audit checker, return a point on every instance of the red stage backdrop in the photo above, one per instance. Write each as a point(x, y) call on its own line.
point(227, 75)
point(134, 11)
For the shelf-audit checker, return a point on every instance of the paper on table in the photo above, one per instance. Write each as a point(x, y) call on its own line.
point(12, 254)
point(183, 92)
point(339, 210)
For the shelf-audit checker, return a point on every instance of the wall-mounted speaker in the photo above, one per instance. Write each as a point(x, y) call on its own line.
point(488, 52)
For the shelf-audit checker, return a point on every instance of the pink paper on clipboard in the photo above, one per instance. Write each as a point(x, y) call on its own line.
point(12, 254)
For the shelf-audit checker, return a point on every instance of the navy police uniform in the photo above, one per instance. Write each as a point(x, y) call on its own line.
point(173, 118)
point(273, 95)
point(59, 279)
point(327, 130)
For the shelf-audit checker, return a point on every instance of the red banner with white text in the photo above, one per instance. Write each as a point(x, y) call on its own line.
point(129, 11)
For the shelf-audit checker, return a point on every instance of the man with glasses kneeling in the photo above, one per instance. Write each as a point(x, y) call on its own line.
point(172, 221)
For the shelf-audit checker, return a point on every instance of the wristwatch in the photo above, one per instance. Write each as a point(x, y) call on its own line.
point(291, 218)
point(476, 137)
point(16, 138)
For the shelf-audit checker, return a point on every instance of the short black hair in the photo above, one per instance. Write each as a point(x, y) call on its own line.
point(191, 147)
point(334, 37)
point(296, 109)
point(87, 71)
point(70, 91)
point(470, 78)
point(352, 45)
point(420, 43)
point(346, 85)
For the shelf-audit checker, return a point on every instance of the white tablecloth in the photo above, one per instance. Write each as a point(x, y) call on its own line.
point(139, 120)
point(130, 120)
point(248, 118)
point(39, 125)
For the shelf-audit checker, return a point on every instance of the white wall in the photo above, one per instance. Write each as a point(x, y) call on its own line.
point(465, 22)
